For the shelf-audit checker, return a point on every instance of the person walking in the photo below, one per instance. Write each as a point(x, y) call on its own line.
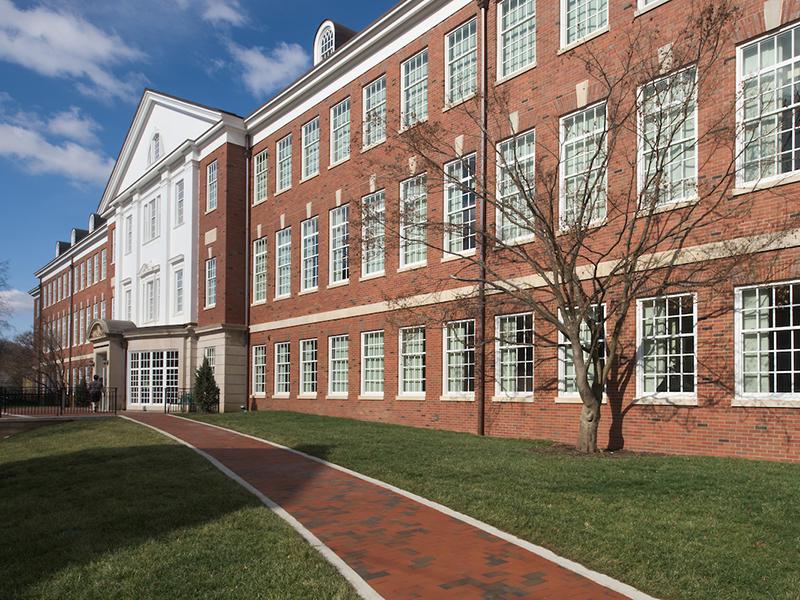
point(95, 392)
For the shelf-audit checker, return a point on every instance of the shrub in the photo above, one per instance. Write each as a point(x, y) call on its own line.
point(206, 391)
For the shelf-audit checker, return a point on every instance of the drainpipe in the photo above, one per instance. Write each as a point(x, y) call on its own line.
point(71, 320)
point(481, 349)
point(247, 291)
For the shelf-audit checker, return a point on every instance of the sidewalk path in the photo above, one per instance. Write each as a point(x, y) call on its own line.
point(399, 547)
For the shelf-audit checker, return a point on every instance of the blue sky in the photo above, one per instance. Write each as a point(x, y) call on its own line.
point(72, 71)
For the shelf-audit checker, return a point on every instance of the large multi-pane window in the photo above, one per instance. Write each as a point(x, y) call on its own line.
point(375, 112)
point(460, 205)
point(261, 163)
point(372, 247)
point(668, 139)
point(768, 342)
point(412, 361)
point(283, 263)
point(413, 217)
point(514, 355)
point(211, 282)
point(340, 244)
point(308, 366)
point(211, 186)
point(311, 148)
point(340, 131)
point(260, 270)
point(283, 369)
point(459, 358)
point(515, 184)
point(283, 181)
point(179, 202)
point(567, 383)
point(461, 67)
point(372, 363)
point(769, 75)
point(309, 276)
point(259, 369)
point(178, 300)
point(667, 346)
point(337, 364)
point(583, 166)
point(582, 18)
point(516, 36)
point(151, 219)
point(414, 96)
point(153, 377)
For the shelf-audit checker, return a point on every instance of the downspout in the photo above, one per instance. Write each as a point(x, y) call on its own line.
point(247, 291)
point(481, 396)
point(71, 321)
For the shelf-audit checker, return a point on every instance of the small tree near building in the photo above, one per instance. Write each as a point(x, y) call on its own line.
point(206, 391)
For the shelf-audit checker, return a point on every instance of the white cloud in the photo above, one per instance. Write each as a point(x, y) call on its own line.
point(58, 44)
point(264, 71)
point(39, 155)
point(16, 301)
point(225, 12)
point(73, 125)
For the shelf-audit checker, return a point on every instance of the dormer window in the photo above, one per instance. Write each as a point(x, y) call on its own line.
point(326, 43)
point(329, 37)
point(155, 152)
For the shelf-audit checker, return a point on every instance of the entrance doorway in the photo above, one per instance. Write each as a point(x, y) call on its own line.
point(152, 378)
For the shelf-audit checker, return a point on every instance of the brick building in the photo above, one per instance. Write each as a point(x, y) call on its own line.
point(303, 305)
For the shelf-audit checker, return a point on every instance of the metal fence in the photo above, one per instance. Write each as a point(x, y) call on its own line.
point(182, 401)
point(43, 402)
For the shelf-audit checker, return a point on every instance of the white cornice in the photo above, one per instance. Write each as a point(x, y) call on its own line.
point(91, 242)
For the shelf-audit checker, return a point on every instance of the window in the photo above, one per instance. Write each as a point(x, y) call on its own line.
point(337, 365)
point(211, 282)
point(514, 355)
point(668, 139)
point(103, 264)
point(460, 205)
point(372, 363)
point(283, 368)
point(128, 234)
point(768, 341)
point(151, 220)
point(340, 244)
point(211, 187)
point(96, 268)
point(259, 369)
point(284, 179)
point(103, 314)
point(260, 270)
point(770, 108)
point(583, 166)
point(283, 263)
point(413, 217)
point(414, 98)
point(461, 69)
point(210, 354)
point(153, 377)
point(375, 112)
point(128, 304)
point(667, 346)
point(567, 385)
point(89, 262)
point(311, 148)
point(340, 132)
point(646, 3)
point(83, 279)
point(178, 291)
point(309, 277)
point(151, 300)
point(372, 250)
point(517, 36)
point(154, 154)
point(412, 361)
point(459, 358)
point(515, 170)
point(261, 163)
point(327, 44)
point(582, 18)
point(179, 202)
point(308, 366)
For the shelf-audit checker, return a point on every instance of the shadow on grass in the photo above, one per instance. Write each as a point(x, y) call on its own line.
point(70, 508)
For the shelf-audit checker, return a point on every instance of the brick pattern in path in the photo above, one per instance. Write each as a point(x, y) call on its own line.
point(401, 548)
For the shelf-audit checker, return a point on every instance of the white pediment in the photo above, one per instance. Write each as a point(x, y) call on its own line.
point(174, 121)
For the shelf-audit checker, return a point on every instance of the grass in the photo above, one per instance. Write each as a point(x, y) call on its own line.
point(109, 509)
point(675, 527)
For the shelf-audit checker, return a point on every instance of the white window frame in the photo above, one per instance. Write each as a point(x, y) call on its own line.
point(343, 248)
point(260, 177)
point(150, 299)
point(309, 260)
point(210, 354)
point(259, 371)
point(340, 132)
point(278, 367)
point(448, 394)
point(374, 125)
point(450, 184)
point(310, 148)
point(331, 370)
point(408, 120)
point(211, 282)
point(179, 285)
point(502, 74)
point(564, 395)
point(211, 186)
point(464, 95)
point(283, 164)
point(501, 395)
point(180, 191)
point(260, 257)
point(565, 42)
point(375, 394)
point(420, 212)
point(314, 368)
point(503, 165)
point(152, 225)
point(283, 244)
point(669, 398)
point(401, 355)
point(373, 243)
point(128, 234)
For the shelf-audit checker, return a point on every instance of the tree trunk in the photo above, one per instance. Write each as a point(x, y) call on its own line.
point(590, 420)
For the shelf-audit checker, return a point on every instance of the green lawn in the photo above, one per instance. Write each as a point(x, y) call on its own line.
point(109, 509)
point(675, 527)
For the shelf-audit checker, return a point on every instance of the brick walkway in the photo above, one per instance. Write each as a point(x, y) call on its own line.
point(401, 548)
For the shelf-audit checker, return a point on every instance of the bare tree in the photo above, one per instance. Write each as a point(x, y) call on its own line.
point(50, 367)
point(602, 207)
point(5, 311)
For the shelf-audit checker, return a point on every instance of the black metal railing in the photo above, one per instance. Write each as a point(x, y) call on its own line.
point(182, 401)
point(43, 402)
